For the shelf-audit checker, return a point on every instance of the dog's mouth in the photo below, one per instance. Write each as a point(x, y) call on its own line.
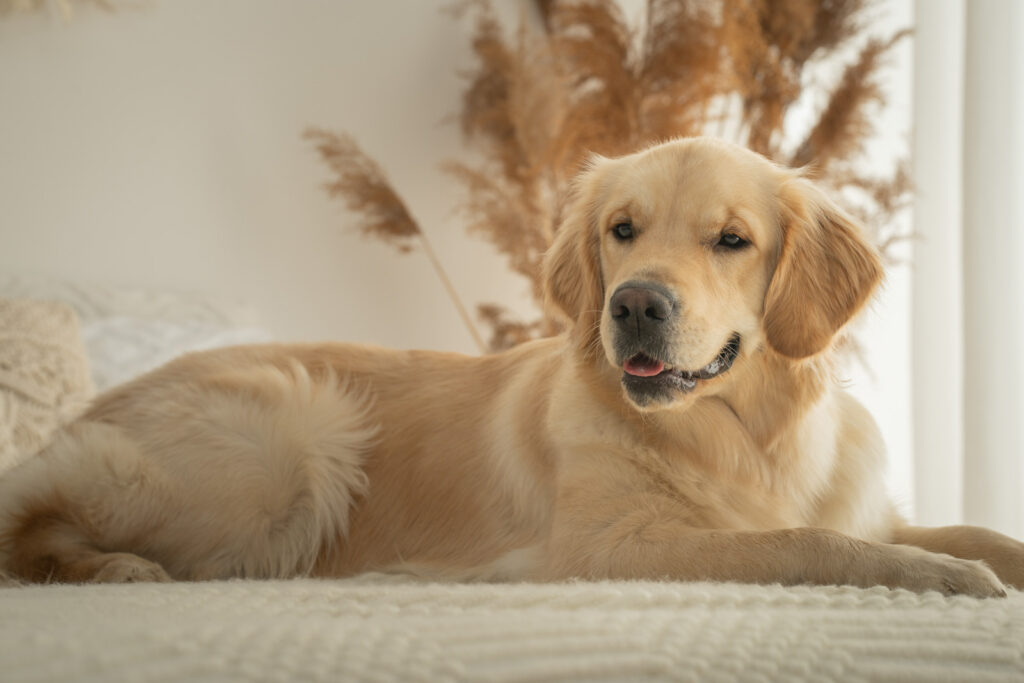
point(643, 372)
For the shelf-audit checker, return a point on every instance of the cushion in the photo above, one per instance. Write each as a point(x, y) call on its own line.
point(130, 330)
point(44, 374)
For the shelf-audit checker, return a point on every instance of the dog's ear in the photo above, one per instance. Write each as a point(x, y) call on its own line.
point(572, 269)
point(826, 272)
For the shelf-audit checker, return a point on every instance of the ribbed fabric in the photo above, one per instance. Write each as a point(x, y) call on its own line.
point(377, 628)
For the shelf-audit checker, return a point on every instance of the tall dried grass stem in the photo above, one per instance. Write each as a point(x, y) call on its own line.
point(442, 275)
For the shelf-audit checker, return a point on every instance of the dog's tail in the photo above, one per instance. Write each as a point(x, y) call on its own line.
point(250, 475)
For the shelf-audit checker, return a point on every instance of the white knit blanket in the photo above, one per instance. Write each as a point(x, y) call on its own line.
point(377, 628)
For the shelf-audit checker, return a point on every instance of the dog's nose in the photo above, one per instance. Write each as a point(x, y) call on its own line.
point(641, 306)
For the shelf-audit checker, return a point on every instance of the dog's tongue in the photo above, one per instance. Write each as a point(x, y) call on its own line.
point(642, 366)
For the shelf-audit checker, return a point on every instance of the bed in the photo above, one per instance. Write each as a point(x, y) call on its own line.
point(395, 628)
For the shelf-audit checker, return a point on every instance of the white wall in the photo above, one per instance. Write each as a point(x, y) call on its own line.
point(162, 146)
point(968, 312)
point(993, 250)
point(938, 310)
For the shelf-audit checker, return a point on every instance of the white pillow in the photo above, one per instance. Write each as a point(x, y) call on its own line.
point(122, 347)
point(131, 330)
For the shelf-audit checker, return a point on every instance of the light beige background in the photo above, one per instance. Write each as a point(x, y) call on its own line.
point(162, 146)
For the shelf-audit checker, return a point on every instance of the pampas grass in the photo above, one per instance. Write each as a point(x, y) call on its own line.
point(582, 80)
point(361, 183)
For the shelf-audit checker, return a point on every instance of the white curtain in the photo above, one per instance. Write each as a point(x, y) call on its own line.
point(968, 302)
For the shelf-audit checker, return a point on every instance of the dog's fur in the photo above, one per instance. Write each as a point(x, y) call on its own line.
point(541, 463)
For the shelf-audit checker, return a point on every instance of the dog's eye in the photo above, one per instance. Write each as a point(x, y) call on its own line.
point(731, 240)
point(623, 231)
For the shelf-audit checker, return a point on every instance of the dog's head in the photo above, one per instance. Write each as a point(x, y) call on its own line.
point(689, 257)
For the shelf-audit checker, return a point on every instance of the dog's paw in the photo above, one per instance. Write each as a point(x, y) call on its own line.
point(1003, 554)
point(127, 568)
point(973, 578)
point(948, 575)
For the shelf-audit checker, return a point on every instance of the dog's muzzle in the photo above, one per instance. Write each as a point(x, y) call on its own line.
point(643, 312)
point(648, 379)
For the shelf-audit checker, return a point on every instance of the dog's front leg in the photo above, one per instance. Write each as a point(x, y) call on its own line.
point(652, 542)
point(1003, 554)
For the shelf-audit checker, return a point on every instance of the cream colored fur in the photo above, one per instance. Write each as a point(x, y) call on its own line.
point(332, 459)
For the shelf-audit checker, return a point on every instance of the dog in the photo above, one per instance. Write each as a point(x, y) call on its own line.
point(688, 426)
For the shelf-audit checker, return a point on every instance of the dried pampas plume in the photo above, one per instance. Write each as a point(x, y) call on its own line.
point(844, 124)
point(585, 80)
point(361, 183)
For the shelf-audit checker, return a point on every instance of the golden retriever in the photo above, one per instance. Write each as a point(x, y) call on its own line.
point(687, 427)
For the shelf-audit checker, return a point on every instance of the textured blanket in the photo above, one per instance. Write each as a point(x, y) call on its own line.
point(378, 628)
